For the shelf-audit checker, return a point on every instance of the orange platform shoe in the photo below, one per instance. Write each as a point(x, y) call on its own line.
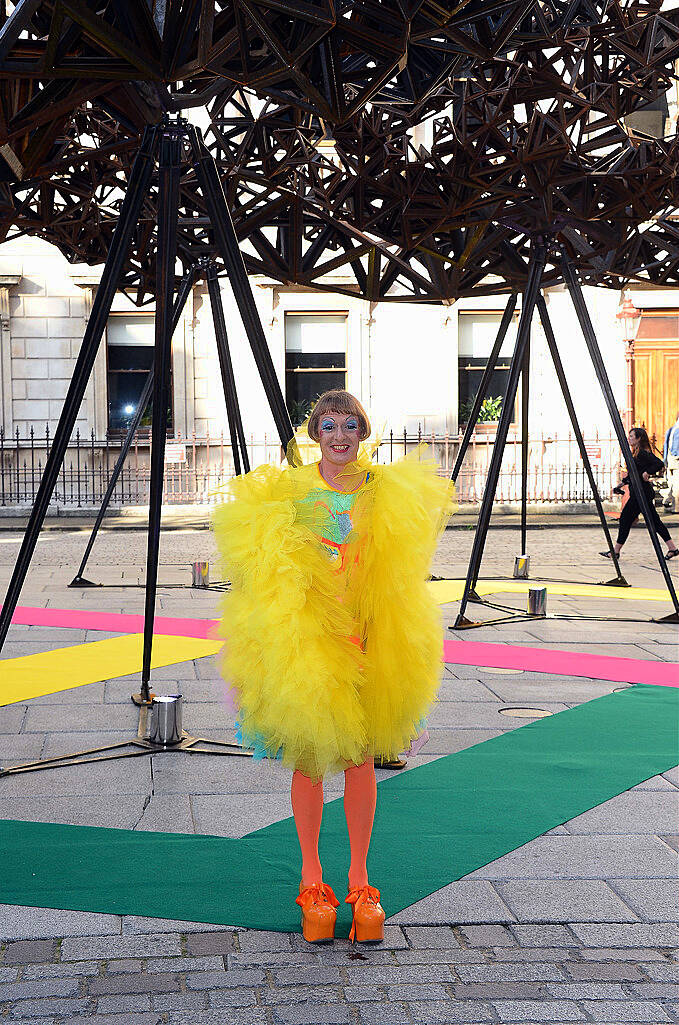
point(368, 915)
point(318, 904)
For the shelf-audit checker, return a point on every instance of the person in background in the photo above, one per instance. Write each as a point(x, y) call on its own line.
point(648, 465)
point(671, 457)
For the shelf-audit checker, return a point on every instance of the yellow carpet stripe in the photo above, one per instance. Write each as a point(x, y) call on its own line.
point(445, 591)
point(33, 676)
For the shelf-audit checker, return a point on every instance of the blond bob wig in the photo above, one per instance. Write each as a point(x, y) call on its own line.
point(338, 401)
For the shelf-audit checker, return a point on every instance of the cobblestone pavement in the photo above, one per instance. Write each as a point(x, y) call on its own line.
point(478, 973)
point(577, 925)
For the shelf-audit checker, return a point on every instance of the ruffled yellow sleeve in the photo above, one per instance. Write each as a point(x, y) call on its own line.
point(398, 519)
point(287, 653)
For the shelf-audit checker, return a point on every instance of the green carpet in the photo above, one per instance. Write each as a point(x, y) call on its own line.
point(434, 824)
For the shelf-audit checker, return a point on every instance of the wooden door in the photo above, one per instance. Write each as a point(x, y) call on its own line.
point(656, 373)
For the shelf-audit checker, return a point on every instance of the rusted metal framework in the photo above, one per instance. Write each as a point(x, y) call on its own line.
point(79, 81)
point(532, 142)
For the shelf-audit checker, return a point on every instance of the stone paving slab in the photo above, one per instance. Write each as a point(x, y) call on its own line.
point(462, 901)
point(38, 923)
point(90, 693)
point(657, 810)
point(653, 900)
point(124, 813)
point(585, 856)
point(655, 783)
point(230, 815)
point(480, 715)
point(18, 748)
point(564, 900)
point(111, 779)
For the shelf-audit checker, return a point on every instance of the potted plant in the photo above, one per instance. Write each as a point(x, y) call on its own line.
point(489, 414)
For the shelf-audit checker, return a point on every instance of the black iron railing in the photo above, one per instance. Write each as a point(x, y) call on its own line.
point(197, 467)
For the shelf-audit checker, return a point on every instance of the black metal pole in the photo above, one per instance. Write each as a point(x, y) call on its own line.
point(485, 381)
point(525, 398)
point(227, 243)
point(535, 270)
point(136, 194)
point(169, 172)
point(228, 379)
point(636, 486)
point(144, 399)
point(565, 391)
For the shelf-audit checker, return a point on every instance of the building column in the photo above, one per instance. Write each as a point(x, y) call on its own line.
point(628, 415)
point(96, 393)
point(6, 417)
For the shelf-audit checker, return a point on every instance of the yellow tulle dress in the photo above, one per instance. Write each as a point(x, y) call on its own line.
point(333, 643)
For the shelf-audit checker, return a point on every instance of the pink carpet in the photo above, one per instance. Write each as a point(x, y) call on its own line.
point(467, 653)
point(562, 663)
point(114, 622)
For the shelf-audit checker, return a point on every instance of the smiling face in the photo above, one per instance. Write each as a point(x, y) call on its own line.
point(339, 437)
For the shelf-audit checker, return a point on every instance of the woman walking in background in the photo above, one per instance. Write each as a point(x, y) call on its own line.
point(648, 465)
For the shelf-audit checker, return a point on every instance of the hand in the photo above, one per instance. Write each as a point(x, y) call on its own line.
point(645, 475)
point(619, 490)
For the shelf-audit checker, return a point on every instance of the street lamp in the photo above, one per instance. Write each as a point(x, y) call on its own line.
point(628, 316)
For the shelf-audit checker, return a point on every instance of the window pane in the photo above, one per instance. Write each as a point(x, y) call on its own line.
point(302, 390)
point(666, 326)
point(477, 333)
point(130, 348)
point(315, 359)
point(124, 392)
point(135, 329)
point(130, 357)
point(312, 332)
point(469, 378)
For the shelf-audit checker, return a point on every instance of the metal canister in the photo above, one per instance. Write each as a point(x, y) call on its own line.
point(166, 719)
point(200, 574)
point(537, 601)
point(521, 567)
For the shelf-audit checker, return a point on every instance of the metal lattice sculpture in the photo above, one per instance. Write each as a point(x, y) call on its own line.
point(138, 60)
point(526, 145)
point(79, 80)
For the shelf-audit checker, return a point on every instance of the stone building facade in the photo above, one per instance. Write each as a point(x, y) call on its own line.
point(414, 367)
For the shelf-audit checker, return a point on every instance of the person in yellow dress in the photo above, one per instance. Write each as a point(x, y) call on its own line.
point(333, 643)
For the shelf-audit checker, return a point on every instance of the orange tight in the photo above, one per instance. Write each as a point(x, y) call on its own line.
point(360, 795)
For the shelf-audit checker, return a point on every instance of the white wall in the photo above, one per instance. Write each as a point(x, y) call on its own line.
point(414, 367)
point(46, 325)
point(548, 412)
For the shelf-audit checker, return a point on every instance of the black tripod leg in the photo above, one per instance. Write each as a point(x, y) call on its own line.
point(485, 381)
point(136, 193)
point(636, 486)
point(168, 202)
point(228, 379)
point(227, 243)
point(144, 399)
point(525, 398)
point(536, 267)
point(558, 367)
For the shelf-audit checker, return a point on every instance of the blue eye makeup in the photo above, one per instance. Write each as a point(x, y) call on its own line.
point(328, 425)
